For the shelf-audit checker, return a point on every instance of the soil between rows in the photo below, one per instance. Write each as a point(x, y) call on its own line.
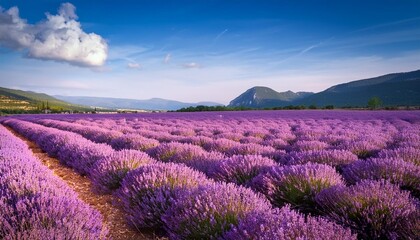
point(113, 216)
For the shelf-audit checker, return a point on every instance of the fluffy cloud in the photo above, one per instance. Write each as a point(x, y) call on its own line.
point(59, 38)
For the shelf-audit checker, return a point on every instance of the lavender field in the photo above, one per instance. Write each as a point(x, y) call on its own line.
point(217, 175)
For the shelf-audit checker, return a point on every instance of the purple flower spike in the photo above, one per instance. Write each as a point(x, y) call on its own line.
point(108, 173)
point(374, 209)
point(240, 169)
point(211, 210)
point(408, 154)
point(335, 158)
point(146, 192)
point(401, 173)
point(285, 224)
point(296, 185)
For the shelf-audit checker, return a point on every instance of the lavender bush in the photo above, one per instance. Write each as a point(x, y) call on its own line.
point(408, 154)
point(177, 152)
point(240, 169)
point(211, 210)
point(285, 224)
point(296, 185)
point(404, 174)
point(133, 141)
point(335, 158)
point(146, 192)
point(34, 203)
point(108, 173)
point(374, 209)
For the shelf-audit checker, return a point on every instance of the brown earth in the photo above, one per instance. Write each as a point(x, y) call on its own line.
point(113, 216)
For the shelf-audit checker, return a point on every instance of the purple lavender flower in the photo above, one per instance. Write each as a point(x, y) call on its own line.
point(362, 148)
point(374, 209)
point(81, 154)
point(177, 152)
point(408, 154)
point(285, 224)
point(54, 217)
point(305, 145)
point(220, 145)
point(211, 210)
point(297, 184)
point(134, 141)
point(404, 174)
point(335, 158)
point(251, 149)
point(108, 173)
point(35, 203)
point(146, 192)
point(240, 169)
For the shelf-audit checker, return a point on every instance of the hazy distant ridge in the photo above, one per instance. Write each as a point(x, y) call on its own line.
point(123, 103)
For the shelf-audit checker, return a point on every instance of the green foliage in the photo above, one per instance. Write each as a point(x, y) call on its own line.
point(374, 103)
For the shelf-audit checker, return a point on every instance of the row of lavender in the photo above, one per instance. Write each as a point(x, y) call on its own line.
point(274, 137)
point(35, 204)
point(182, 201)
point(398, 165)
point(398, 171)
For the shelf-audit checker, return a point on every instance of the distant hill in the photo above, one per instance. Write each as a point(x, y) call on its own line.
point(123, 103)
point(261, 97)
point(396, 89)
point(18, 100)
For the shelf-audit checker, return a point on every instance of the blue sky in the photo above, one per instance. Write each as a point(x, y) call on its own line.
point(202, 50)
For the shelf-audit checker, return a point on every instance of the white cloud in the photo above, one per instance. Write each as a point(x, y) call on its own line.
point(167, 58)
point(191, 65)
point(133, 65)
point(59, 38)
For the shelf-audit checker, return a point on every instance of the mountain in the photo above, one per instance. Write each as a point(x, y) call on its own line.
point(123, 103)
point(262, 97)
point(18, 100)
point(396, 89)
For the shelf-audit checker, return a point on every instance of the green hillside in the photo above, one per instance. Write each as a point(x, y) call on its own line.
point(18, 101)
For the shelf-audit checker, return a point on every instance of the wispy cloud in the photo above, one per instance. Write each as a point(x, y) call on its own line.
point(133, 65)
point(220, 35)
point(191, 65)
point(388, 24)
point(167, 58)
point(58, 38)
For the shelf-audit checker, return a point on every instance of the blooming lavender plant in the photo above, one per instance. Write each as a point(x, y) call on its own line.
point(133, 141)
point(335, 158)
point(251, 149)
point(177, 152)
point(211, 210)
point(404, 174)
point(34, 203)
point(296, 185)
point(146, 192)
point(240, 169)
point(108, 173)
point(305, 145)
point(374, 209)
point(408, 154)
point(285, 224)
point(220, 145)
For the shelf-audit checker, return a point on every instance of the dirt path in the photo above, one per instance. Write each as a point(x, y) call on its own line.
point(113, 216)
